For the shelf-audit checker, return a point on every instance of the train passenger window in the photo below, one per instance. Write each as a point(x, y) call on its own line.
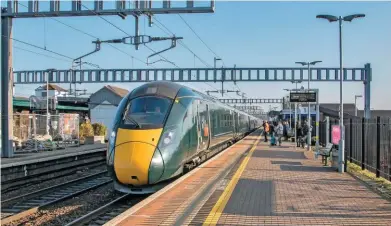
point(180, 112)
point(147, 111)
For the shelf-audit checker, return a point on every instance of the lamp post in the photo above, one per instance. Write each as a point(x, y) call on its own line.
point(295, 110)
point(309, 104)
point(355, 104)
point(290, 109)
point(330, 18)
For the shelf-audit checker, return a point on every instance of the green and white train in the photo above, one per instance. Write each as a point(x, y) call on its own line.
point(163, 129)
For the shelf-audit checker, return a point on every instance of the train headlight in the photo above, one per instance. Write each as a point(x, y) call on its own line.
point(167, 138)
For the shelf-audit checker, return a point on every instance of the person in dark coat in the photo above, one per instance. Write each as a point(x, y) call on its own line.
point(305, 131)
point(299, 134)
point(271, 128)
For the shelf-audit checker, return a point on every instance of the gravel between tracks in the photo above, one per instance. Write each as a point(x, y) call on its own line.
point(65, 212)
point(31, 188)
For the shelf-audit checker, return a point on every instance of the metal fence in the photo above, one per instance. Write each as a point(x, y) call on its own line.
point(367, 143)
point(36, 132)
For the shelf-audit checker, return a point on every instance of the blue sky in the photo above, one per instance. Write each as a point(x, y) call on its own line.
point(248, 34)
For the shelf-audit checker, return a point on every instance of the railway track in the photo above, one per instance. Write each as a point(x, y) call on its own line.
point(24, 205)
point(107, 212)
point(24, 173)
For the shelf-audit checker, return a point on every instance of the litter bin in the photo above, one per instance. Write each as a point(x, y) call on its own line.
point(334, 159)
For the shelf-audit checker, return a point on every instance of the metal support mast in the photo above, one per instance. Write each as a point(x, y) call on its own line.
point(6, 87)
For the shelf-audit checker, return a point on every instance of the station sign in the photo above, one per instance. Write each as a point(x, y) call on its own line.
point(300, 97)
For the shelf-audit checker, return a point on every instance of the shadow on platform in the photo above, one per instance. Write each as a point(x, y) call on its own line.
point(278, 154)
point(259, 203)
point(286, 163)
point(306, 168)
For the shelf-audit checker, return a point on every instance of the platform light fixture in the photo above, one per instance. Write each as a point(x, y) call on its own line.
point(308, 64)
point(349, 18)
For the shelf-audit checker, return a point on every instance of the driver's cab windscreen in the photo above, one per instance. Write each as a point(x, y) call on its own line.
point(146, 112)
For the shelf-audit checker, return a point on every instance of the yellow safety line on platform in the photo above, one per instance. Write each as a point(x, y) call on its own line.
point(218, 208)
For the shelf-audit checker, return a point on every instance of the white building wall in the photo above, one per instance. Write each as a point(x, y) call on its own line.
point(52, 93)
point(104, 114)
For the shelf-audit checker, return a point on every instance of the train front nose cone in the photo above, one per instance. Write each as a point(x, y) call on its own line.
point(132, 161)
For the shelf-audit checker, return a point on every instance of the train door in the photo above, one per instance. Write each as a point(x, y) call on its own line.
point(235, 123)
point(209, 124)
point(239, 123)
point(232, 122)
point(203, 126)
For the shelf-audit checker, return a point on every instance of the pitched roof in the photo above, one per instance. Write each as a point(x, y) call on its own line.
point(119, 91)
point(52, 87)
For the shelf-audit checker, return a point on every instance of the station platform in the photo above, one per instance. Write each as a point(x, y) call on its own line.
point(34, 157)
point(252, 183)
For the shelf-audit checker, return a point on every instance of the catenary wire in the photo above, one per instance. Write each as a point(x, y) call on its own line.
point(88, 34)
point(195, 55)
point(169, 32)
point(45, 55)
point(195, 33)
point(124, 33)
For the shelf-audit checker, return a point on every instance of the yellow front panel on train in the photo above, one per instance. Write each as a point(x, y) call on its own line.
point(133, 154)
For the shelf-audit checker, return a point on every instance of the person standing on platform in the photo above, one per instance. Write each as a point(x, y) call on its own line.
point(272, 134)
point(305, 132)
point(280, 132)
point(266, 129)
point(285, 126)
point(299, 134)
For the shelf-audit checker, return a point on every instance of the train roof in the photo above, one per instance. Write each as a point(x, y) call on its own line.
point(171, 89)
point(161, 88)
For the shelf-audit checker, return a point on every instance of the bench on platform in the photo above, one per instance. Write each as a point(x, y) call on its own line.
point(325, 152)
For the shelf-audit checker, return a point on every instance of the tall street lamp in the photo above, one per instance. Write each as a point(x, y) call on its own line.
point(330, 18)
point(355, 104)
point(309, 104)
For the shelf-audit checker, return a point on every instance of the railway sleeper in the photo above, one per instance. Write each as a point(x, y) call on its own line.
point(24, 207)
point(38, 178)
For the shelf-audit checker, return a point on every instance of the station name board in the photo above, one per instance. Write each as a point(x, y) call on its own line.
point(302, 97)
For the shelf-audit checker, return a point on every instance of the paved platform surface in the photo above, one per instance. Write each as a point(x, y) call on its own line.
point(23, 158)
point(261, 186)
